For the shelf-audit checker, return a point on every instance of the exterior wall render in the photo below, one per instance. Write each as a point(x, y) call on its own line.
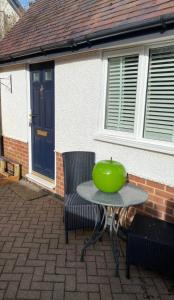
point(15, 105)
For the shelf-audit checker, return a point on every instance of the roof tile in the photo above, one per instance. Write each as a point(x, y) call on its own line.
point(56, 21)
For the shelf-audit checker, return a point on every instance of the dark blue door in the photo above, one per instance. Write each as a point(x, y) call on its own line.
point(42, 106)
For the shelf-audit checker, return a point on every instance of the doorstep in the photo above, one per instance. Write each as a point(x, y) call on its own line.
point(48, 184)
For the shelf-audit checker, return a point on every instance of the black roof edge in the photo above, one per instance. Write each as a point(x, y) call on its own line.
point(161, 23)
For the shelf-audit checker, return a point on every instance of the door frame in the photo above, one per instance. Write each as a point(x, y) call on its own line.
point(28, 91)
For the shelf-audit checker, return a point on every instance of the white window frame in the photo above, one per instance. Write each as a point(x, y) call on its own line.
point(135, 139)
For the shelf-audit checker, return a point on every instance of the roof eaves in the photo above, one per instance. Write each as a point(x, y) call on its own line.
point(161, 24)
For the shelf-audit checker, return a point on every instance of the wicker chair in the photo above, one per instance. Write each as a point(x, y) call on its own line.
point(78, 213)
point(150, 243)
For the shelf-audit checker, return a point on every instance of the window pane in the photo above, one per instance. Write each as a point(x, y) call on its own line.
point(36, 76)
point(159, 118)
point(121, 93)
point(48, 75)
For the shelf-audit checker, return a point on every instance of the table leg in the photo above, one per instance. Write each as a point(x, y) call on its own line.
point(97, 233)
point(114, 227)
point(109, 220)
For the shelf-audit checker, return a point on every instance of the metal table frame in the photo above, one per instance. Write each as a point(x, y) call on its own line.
point(114, 209)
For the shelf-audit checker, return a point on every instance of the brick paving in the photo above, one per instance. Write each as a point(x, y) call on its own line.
point(35, 262)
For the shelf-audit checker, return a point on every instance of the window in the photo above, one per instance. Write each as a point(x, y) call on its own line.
point(121, 93)
point(139, 102)
point(159, 117)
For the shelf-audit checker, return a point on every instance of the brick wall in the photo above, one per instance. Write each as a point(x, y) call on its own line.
point(59, 175)
point(161, 198)
point(160, 203)
point(17, 151)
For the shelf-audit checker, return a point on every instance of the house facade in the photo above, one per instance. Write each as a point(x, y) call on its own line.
point(10, 12)
point(99, 81)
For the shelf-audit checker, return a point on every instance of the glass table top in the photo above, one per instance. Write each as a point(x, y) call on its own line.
point(129, 195)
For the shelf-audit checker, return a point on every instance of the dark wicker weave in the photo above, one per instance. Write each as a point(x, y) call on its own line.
point(150, 243)
point(78, 213)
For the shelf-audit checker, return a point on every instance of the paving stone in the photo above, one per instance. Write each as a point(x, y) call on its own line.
point(105, 292)
point(61, 260)
point(76, 296)
point(58, 293)
point(3, 285)
point(2, 295)
point(46, 295)
point(21, 259)
point(66, 271)
point(8, 268)
point(81, 276)
point(12, 290)
point(70, 283)
point(115, 285)
point(87, 287)
point(54, 278)
point(139, 289)
point(167, 297)
point(28, 295)
point(26, 281)
point(50, 267)
point(98, 279)
point(94, 296)
point(10, 277)
point(91, 268)
point(42, 286)
point(124, 297)
point(20, 270)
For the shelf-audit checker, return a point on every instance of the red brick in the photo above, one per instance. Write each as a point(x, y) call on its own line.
point(153, 212)
point(155, 184)
point(146, 188)
point(156, 199)
point(136, 179)
point(170, 189)
point(164, 194)
point(169, 203)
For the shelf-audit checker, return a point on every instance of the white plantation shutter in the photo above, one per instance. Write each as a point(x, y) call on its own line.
point(121, 93)
point(159, 118)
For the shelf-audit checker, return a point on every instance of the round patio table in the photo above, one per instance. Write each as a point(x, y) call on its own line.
point(115, 207)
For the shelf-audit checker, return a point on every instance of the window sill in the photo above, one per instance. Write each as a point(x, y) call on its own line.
point(155, 146)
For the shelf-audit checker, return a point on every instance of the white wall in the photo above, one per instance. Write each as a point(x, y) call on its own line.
point(14, 105)
point(78, 97)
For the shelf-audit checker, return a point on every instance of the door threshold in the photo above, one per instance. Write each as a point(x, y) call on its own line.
point(50, 185)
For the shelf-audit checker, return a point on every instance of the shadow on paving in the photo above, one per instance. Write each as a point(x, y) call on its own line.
point(35, 262)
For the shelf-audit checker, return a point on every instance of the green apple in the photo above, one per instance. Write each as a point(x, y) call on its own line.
point(109, 176)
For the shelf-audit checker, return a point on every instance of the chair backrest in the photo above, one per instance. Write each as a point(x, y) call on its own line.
point(78, 167)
